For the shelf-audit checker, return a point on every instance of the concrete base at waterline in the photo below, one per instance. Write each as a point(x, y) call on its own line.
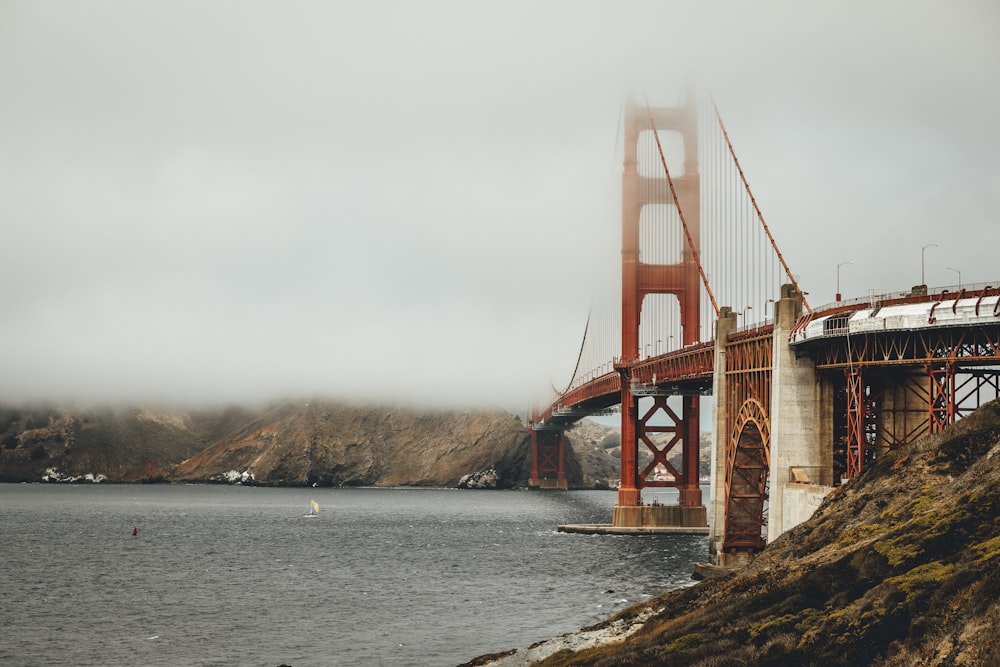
point(544, 484)
point(660, 516)
point(608, 529)
point(648, 520)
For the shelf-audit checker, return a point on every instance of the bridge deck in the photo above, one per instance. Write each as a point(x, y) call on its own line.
point(688, 371)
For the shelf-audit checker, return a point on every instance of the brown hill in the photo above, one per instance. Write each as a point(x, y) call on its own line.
point(899, 567)
point(326, 444)
point(301, 442)
point(122, 444)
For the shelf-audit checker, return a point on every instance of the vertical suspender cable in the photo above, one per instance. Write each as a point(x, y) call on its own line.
point(680, 211)
point(760, 216)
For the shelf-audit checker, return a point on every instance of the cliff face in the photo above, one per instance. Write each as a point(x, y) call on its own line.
point(324, 444)
point(301, 443)
point(124, 444)
point(899, 567)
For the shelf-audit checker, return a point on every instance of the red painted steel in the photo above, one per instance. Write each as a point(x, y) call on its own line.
point(685, 479)
point(641, 279)
point(747, 405)
point(862, 425)
point(893, 385)
point(692, 364)
point(941, 407)
point(547, 457)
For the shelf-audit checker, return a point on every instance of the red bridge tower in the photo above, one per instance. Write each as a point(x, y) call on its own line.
point(639, 279)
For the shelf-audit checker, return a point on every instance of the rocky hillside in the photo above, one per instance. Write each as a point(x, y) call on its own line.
point(120, 444)
point(598, 462)
point(899, 567)
point(293, 443)
point(325, 444)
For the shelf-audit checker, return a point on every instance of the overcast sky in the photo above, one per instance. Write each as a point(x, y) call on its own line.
point(228, 201)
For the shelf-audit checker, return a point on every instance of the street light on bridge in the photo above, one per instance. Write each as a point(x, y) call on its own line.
point(922, 252)
point(838, 277)
point(959, 275)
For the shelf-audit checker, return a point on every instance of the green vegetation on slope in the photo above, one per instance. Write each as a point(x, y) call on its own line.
point(900, 567)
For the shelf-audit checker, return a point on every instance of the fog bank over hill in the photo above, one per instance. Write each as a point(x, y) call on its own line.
point(392, 201)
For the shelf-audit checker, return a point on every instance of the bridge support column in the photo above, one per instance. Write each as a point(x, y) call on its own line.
point(641, 279)
point(548, 460)
point(941, 406)
point(720, 435)
point(859, 417)
point(801, 425)
point(690, 489)
point(628, 486)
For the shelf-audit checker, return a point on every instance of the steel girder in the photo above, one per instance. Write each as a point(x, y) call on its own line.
point(862, 421)
point(747, 467)
point(547, 456)
point(748, 414)
point(959, 366)
point(965, 345)
point(684, 431)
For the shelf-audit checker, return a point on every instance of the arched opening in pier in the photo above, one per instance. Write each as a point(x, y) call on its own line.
point(747, 471)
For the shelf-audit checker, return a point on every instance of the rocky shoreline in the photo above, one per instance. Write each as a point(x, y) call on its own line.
point(901, 566)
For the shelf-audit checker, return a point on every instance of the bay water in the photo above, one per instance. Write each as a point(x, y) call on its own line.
point(231, 575)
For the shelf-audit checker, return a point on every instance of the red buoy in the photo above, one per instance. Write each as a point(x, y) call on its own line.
point(135, 532)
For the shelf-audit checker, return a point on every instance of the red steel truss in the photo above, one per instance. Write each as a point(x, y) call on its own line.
point(955, 391)
point(862, 424)
point(548, 465)
point(960, 367)
point(640, 279)
point(961, 345)
point(748, 407)
point(684, 479)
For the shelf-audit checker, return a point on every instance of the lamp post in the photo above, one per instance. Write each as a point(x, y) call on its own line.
point(922, 252)
point(838, 277)
point(959, 275)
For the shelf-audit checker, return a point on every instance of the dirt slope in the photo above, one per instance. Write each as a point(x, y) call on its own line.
point(327, 444)
point(899, 567)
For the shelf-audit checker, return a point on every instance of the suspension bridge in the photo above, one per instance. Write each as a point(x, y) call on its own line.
point(803, 398)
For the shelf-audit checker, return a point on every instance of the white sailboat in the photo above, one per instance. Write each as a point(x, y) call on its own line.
point(314, 509)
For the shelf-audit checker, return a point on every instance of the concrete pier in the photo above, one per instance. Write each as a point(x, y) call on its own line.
point(610, 529)
point(660, 516)
point(800, 419)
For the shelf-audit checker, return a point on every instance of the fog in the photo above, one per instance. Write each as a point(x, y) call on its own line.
point(396, 201)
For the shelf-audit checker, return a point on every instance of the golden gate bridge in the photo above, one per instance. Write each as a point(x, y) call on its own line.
point(709, 305)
